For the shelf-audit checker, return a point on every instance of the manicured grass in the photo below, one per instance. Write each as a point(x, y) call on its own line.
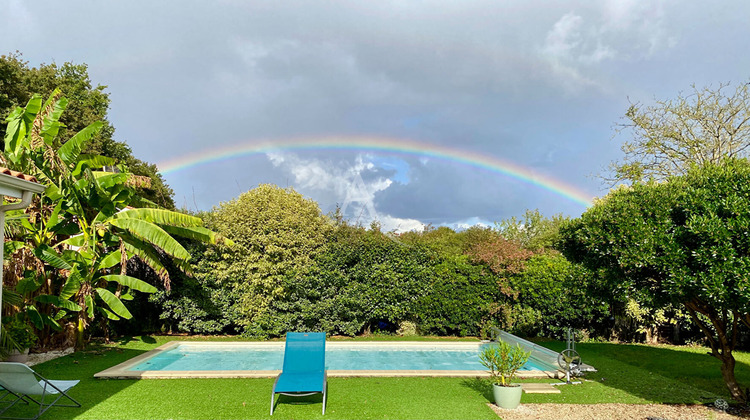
point(638, 374)
point(627, 374)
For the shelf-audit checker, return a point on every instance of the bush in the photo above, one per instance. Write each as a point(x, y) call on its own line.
point(458, 300)
point(296, 270)
point(362, 279)
point(21, 334)
point(557, 295)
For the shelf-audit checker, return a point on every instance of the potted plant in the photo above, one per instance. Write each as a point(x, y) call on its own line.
point(22, 338)
point(502, 361)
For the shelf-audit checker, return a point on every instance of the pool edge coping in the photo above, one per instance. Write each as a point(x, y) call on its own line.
point(121, 370)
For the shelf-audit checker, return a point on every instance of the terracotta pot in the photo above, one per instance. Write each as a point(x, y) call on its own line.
point(507, 396)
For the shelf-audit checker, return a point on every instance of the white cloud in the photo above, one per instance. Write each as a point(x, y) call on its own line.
point(641, 24)
point(399, 225)
point(618, 30)
point(564, 36)
point(344, 184)
point(467, 223)
point(565, 48)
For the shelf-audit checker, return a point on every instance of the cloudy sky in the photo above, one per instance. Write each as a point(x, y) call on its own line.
point(441, 112)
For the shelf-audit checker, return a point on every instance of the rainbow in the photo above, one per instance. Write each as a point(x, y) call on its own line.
point(384, 145)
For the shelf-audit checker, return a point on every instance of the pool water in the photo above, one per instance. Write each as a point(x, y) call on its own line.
point(203, 357)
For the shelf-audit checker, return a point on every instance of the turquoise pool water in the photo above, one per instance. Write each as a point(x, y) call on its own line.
point(206, 357)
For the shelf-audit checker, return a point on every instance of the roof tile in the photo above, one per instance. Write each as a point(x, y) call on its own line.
point(17, 174)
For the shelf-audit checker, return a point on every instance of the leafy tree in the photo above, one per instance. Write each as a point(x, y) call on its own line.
point(503, 257)
point(704, 126)
point(85, 227)
point(683, 242)
point(87, 104)
point(446, 241)
point(460, 298)
point(277, 233)
point(562, 294)
point(534, 232)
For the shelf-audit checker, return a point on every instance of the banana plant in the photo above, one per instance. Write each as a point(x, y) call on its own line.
point(87, 225)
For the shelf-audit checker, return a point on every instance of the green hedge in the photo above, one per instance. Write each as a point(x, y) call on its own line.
point(327, 275)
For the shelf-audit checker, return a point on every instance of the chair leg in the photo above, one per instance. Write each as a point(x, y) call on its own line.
point(20, 398)
point(273, 392)
point(325, 385)
point(43, 406)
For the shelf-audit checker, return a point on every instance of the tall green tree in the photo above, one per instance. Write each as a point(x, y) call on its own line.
point(684, 242)
point(87, 104)
point(86, 225)
point(277, 233)
point(534, 231)
point(704, 125)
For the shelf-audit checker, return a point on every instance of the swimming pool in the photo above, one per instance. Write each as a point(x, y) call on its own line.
point(181, 359)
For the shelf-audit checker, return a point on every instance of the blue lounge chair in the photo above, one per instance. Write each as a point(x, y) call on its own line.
point(22, 382)
point(304, 370)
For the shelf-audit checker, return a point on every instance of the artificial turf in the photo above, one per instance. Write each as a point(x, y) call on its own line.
point(633, 374)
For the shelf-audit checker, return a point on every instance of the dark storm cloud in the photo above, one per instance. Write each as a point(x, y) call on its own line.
point(537, 83)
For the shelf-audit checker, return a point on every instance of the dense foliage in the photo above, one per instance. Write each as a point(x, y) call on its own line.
point(294, 269)
point(683, 242)
point(276, 232)
point(533, 231)
point(69, 254)
point(87, 104)
point(555, 295)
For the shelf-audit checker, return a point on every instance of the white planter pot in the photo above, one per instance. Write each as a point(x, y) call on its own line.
point(507, 396)
point(17, 356)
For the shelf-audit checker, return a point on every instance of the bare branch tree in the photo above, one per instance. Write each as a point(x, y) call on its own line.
point(704, 126)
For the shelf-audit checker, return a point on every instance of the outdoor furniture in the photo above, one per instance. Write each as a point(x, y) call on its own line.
point(304, 370)
point(22, 382)
point(4, 393)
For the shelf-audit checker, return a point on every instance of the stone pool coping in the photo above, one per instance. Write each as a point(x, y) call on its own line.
point(121, 371)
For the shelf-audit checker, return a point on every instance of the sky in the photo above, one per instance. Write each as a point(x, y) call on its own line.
point(411, 113)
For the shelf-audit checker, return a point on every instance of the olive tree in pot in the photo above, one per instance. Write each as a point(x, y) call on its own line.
point(502, 361)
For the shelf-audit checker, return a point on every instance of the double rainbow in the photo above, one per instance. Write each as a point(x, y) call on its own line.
point(384, 145)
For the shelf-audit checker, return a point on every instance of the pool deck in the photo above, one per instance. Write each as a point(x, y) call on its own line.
point(122, 371)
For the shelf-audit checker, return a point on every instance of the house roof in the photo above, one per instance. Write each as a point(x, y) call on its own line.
point(17, 174)
point(14, 184)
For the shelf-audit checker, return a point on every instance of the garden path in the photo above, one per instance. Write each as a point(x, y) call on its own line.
point(611, 412)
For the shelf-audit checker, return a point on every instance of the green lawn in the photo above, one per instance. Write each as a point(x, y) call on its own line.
point(627, 374)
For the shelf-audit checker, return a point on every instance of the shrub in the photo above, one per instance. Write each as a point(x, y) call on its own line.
point(558, 295)
point(503, 360)
point(362, 278)
point(458, 299)
point(21, 334)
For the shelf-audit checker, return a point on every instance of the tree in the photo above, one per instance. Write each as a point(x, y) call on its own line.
point(448, 242)
point(503, 257)
point(87, 104)
point(563, 295)
point(534, 232)
point(683, 241)
point(86, 225)
point(277, 233)
point(704, 126)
